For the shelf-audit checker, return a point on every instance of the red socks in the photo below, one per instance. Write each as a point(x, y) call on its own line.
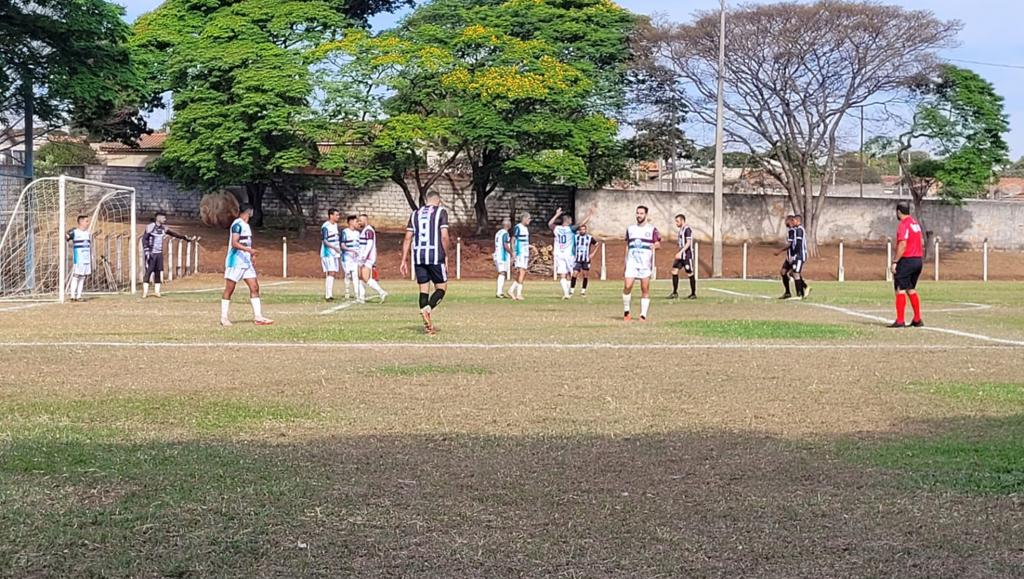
point(915, 302)
point(901, 304)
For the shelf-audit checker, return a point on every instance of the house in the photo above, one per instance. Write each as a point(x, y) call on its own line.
point(145, 151)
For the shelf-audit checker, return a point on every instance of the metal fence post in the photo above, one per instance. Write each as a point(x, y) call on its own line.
point(842, 267)
point(284, 257)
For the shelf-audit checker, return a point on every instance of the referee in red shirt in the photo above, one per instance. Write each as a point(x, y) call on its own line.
point(907, 266)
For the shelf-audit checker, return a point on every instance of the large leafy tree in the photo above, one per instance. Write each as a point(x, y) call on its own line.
point(71, 60)
point(517, 91)
point(241, 73)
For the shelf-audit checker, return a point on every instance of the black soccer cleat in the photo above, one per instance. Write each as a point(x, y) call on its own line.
point(917, 324)
point(673, 296)
point(691, 297)
point(330, 299)
point(786, 296)
point(897, 325)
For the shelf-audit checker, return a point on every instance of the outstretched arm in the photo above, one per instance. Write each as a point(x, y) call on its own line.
point(590, 214)
point(551, 222)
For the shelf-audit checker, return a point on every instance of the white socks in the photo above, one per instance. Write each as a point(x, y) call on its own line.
point(565, 287)
point(157, 288)
point(626, 299)
point(516, 289)
point(360, 291)
point(329, 289)
point(501, 284)
point(376, 287)
point(77, 286)
point(348, 284)
point(257, 308)
point(645, 304)
point(145, 289)
point(224, 305)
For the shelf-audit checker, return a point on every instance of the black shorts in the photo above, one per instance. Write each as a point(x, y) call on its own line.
point(793, 266)
point(908, 270)
point(434, 274)
point(154, 266)
point(685, 264)
point(581, 266)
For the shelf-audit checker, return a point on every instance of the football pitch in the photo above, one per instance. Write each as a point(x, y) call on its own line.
point(733, 435)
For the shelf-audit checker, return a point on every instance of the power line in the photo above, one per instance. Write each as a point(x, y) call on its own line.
point(980, 63)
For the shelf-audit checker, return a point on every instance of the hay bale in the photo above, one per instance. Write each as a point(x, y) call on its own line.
point(218, 209)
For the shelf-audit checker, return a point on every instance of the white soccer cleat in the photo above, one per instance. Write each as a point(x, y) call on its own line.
point(263, 321)
point(225, 322)
point(383, 297)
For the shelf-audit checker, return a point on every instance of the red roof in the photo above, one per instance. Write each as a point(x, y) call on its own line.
point(153, 143)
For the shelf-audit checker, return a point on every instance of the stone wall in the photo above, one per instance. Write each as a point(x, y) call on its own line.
point(759, 217)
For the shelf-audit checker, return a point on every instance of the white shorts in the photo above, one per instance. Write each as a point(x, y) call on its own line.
point(638, 267)
point(350, 266)
point(330, 264)
point(368, 264)
point(564, 264)
point(237, 274)
point(500, 266)
point(522, 261)
point(81, 269)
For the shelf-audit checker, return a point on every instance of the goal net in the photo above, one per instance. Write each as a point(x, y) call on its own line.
point(35, 254)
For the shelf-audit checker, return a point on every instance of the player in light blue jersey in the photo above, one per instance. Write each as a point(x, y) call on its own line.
point(502, 254)
point(520, 255)
point(350, 254)
point(81, 256)
point(564, 252)
point(239, 266)
point(330, 251)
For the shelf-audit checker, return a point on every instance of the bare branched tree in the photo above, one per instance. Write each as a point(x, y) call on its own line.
point(794, 71)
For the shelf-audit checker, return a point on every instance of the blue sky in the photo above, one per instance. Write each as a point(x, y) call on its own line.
point(991, 34)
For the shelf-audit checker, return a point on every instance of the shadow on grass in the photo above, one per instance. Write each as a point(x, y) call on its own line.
point(675, 504)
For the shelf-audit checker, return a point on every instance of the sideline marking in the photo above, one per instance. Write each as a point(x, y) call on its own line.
point(337, 308)
point(479, 346)
point(873, 317)
point(27, 306)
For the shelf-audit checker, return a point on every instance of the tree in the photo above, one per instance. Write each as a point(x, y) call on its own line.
point(793, 72)
point(71, 58)
point(62, 153)
point(243, 87)
point(519, 91)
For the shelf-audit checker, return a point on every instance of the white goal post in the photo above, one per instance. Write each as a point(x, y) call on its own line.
point(35, 263)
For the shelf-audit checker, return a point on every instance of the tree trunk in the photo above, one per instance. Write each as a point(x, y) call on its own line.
point(399, 179)
point(288, 195)
point(926, 236)
point(480, 206)
point(255, 192)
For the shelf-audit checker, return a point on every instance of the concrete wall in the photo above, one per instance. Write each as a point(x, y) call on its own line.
point(759, 218)
point(385, 203)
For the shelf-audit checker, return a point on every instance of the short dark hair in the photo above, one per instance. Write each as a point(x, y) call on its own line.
point(644, 207)
point(364, 215)
point(244, 208)
point(903, 207)
point(158, 214)
point(81, 218)
point(352, 217)
point(680, 216)
point(565, 217)
point(332, 211)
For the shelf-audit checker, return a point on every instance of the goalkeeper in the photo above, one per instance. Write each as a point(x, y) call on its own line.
point(153, 247)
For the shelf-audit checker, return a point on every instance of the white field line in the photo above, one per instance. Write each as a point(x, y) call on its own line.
point(873, 317)
point(221, 288)
point(414, 346)
point(337, 308)
point(967, 307)
point(26, 306)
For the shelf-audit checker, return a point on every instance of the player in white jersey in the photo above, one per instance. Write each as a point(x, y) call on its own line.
point(564, 253)
point(330, 251)
point(641, 241)
point(502, 254)
point(350, 254)
point(368, 260)
point(239, 266)
point(81, 256)
point(521, 255)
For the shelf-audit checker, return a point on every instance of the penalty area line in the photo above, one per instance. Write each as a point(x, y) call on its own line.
point(855, 313)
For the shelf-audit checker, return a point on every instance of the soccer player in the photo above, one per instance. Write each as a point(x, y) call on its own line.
point(521, 255)
point(239, 265)
point(81, 256)
point(427, 235)
point(584, 243)
point(683, 259)
point(367, 260)
point(906, 267)
point(796, 256)
point(784, 272)
point(564, 253)
point(350, 254)
point(642, 239)
point(330, 251)
point(153, 251)
point(502, 254)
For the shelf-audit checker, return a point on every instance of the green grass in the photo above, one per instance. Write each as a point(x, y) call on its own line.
point(1005, 395)
point(396, 370)
point(766, 330)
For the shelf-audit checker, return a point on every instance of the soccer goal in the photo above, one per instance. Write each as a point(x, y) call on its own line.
point(35, 260)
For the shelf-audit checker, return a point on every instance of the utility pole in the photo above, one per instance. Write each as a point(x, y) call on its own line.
point(716, 234)
point(28, 142)
point(862, 150)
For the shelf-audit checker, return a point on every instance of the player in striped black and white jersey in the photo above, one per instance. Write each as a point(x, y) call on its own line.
point(521, 255)
point(368, 260)
point(330, 251)
point(642, 239)
point(81, 256)
point(502, 254)
point(683, 259)
point(428, 239)
point(238, 266)
point(564, 251)
point(796, 257)
point(584, 244)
